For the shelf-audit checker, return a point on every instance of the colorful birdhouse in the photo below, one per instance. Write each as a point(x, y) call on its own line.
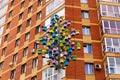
point(39, 51)
point(44, 28)
point(44, 42)
point(40, 38)
point(66, 63)
point(74, 58)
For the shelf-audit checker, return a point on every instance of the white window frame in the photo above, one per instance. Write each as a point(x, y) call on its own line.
point(86, 30)
point(89, 68)
point(35, 62)
point(84, 1)
point(25, 51)
point(27, 36)
point(85, 14)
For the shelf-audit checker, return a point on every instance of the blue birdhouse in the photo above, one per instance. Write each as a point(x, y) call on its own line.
point(54, 34)
point(68, 57)
point(44, 42)
point(50, 56)
point(44, 28)
point(53, 21)
point(70, 50)
point(56, 16)
point(66, 63)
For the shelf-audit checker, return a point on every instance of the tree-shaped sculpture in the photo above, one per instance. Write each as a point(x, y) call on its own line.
point(57, 43)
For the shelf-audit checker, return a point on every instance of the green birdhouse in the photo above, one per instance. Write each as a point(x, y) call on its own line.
point(74, 58)
point(39, 51)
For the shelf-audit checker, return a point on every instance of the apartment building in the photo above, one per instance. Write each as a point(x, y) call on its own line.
point(97, 22)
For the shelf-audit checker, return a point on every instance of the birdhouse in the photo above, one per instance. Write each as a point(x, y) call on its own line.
point(65, 53)
point(44, 50)
point(73, 58)
point(40, 38)
point(67, 47)
point(54, 34)
point(56, 52)
point(67, 43)
point(70, 50)
point(44, 28)
point(39, 51)
point(68, 23)
point(56, 38)
point(44, 42)
point(56, 16)
point(73, 33)
point(53, 61)
point(78, 47)
point(68, 57)
point(77, 32)
point(51, 31)
point(66, 63)
point(73, 47)
point(48, 44)
point(61, 44)
point(62, 60)
point(53, 21)
point(50, 55)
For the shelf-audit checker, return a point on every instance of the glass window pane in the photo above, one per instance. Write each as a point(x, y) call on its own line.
point(108, 42)
point(106, 24)
point(115, 42)
point(112, 24)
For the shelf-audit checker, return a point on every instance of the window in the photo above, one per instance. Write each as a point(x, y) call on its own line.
point(36, 45)
point(116, 1)
point(51, 74)
point(6, 37)
point(12, 2)
point(111, 27)
point(1, 30)
point(39, 15)
point(34, 78)
point(12, 76)
point(60, 13)
point(19, 29)
point(21, 16)
point(15, 57)
point(84, 1)
point(29, 22)
point(8, 25)
point(22, 4)
point(87, 48)
point(4, 51)
point(35, 62)
point(86, 30)
point(27, 36)
point(17, 42)
point(112, 45)
point(10, 13)
point(89, 68)
point(25, 51)
point(1, 65)
point(37, 29)
point(23, 70)
point(39, 2)
point(54, 5)
point(113, 65)
point(30, 9)
point(85, 14)
point(110, 11)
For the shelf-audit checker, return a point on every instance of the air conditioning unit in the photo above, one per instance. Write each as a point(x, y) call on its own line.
point(11, 64)
point(98, 66)
point(33, 51)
